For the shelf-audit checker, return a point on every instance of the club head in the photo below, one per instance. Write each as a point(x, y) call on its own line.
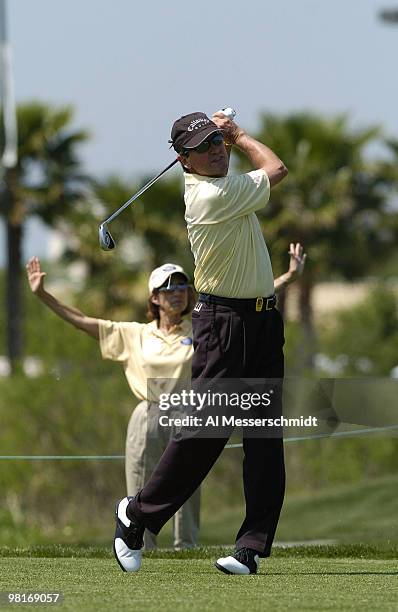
point(105, 239)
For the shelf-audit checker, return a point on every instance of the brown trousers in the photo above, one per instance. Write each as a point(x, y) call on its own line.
point(229, 342)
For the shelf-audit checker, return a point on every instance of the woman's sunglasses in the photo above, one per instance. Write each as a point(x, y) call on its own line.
point(176, 287)
point(204, 146)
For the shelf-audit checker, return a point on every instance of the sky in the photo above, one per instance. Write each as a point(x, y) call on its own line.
point(130, 68)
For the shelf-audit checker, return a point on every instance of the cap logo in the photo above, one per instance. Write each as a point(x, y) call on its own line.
point(197, 123)
point(168, 268)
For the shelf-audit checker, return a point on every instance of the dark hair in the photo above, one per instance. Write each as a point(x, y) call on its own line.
point(152, 312)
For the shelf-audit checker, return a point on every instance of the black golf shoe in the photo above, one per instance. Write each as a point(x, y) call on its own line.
point(129, 539)
point(244, 561)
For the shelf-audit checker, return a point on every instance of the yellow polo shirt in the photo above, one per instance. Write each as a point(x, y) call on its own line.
point(147, 353)
point(231, 257)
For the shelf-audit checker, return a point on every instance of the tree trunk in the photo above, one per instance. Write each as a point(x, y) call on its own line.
point(309, 343)
point(14, 294)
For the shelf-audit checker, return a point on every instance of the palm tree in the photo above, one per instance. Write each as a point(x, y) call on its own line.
point(46, 182)
point(332, 202)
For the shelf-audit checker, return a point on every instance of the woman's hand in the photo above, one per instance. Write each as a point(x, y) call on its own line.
point(35, 275)
point(297, 259)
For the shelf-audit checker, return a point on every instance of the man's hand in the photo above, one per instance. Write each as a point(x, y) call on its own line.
point(231, 130)
point(35, 275)
point(297, 259)
point(260, 156)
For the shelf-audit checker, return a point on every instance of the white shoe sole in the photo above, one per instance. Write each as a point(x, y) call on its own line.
point(229, 565)
point(128, 559)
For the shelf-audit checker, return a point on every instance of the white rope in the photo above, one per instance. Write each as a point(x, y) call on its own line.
point(338, 434)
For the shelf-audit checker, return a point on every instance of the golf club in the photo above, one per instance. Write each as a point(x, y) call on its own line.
point(105, 239)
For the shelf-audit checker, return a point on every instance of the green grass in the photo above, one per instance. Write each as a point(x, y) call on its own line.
point(288, 582)
point(359, 512)
point(362, 512)
point(59, 551)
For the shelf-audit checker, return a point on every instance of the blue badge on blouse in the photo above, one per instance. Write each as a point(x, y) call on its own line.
point(186, 341)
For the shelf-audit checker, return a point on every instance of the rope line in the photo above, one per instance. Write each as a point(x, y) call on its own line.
point(338, 434)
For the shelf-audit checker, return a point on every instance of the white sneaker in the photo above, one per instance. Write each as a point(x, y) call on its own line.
point(245, 561)
point(128, 539)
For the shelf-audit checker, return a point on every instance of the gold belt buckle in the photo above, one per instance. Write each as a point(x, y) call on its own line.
point(259, 304)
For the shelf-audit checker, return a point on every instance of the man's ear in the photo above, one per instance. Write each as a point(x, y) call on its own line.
point(184, 161)
point(155, 299)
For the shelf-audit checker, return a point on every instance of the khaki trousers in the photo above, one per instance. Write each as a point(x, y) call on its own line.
point(145, 444)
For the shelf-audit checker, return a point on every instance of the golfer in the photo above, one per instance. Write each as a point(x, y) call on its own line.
point(237, 333)
point(160, 348)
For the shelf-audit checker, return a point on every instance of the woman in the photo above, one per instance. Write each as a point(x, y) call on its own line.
point(161, 349)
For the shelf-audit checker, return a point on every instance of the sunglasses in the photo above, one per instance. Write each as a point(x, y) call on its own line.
point(204, 146)
point(177, 287)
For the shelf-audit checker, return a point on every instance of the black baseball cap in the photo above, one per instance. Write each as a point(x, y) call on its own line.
point(190, 130)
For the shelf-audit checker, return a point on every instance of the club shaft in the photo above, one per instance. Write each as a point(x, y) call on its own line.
point(137, 195)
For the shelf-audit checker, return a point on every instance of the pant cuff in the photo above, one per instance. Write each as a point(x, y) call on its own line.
point(263, 551)
point(133, 511)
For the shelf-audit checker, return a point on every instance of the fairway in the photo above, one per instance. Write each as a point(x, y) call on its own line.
point(287, 581)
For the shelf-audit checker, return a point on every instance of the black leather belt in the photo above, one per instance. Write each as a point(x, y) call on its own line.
point(257, 304)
